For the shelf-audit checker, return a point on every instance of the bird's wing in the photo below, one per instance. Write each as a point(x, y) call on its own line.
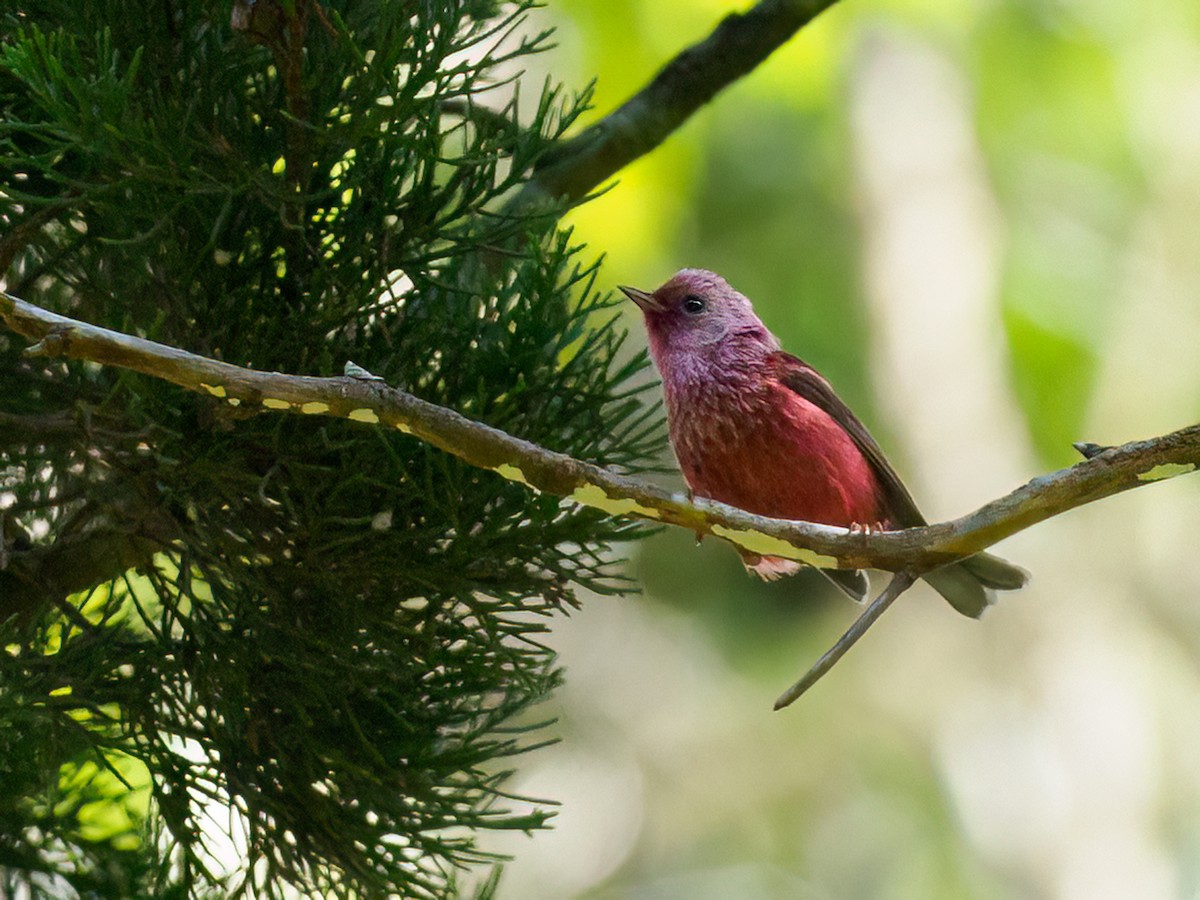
point(806, 381)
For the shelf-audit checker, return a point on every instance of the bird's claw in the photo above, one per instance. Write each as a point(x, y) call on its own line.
point(867, 529)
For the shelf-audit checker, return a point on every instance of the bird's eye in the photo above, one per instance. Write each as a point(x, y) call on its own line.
point(693, 305)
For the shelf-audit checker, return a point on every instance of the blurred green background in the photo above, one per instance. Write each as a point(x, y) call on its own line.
point(982, 221)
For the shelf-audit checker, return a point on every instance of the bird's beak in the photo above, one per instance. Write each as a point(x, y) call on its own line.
point(647, 302)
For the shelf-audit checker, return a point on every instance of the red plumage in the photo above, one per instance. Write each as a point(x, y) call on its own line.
point(759, 429)
point(764, 448)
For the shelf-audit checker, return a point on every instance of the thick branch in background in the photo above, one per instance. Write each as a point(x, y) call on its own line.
point(738, 44)
point(364, 399)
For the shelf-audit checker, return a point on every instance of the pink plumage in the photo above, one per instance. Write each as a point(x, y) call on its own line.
point(757, 428)
point(766, 449)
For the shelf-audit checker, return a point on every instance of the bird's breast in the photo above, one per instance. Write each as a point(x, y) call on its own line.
point(769, 451)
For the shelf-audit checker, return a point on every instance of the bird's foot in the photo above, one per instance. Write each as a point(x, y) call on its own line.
point(866, 529)
point(691, 498)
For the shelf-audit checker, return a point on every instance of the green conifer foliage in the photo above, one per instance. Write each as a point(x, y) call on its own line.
point(309, 634)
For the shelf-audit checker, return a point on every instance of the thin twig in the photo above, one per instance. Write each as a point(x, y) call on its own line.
point(900, 583)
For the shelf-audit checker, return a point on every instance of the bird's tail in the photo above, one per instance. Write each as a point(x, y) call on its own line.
point(969, 586)
point(852, 582)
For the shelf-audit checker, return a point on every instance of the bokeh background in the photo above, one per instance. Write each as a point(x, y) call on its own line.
point(981, 219)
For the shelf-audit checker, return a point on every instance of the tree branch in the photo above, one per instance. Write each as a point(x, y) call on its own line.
point(80, 424)
point(362, 398)
point(900, 583)
point(24, 230)
point(738, 44)
point(38, 427)
point(33, 578)
point(575, 167)
point(97, 543)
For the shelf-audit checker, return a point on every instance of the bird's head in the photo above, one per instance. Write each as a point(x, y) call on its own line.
point(698, 312)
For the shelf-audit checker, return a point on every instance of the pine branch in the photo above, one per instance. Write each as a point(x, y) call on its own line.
point(25, 230)
point(103, 539)
point(39, 427)
point(33, 578)
point(363, 398)
point(66, 426)
point(738, 44)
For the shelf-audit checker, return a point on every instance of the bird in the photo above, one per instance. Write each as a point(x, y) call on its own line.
point(754, 427)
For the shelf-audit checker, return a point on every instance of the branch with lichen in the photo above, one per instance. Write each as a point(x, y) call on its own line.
point(361, 397)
